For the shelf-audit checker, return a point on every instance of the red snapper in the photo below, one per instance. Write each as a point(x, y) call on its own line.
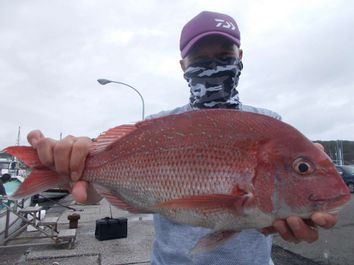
point(225, 170)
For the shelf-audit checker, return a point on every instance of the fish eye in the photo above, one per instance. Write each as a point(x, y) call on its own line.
point(302, 167)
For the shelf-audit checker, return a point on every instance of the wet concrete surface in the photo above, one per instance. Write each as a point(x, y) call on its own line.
point(282, 256)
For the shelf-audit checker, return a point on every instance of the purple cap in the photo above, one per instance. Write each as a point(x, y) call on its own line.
point(205, 24)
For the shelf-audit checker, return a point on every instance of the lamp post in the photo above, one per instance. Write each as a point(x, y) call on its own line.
point(106, 81)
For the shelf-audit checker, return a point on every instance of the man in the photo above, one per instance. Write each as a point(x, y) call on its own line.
point(4, 179)
point(211, 61)
point(2, 188)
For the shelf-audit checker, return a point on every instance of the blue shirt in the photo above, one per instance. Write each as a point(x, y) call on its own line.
point(173, 242)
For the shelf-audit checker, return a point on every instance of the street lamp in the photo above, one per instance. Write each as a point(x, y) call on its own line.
point(106, 81)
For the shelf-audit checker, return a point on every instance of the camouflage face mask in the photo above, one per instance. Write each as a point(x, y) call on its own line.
point(213, 83)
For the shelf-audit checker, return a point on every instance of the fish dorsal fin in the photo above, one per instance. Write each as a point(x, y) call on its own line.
point(110, 136)
point(144, 123)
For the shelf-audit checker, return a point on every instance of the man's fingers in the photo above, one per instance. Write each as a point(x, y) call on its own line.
point(67, 157)
point(296, 229)
point(80, 150)
point(45, 147)
point(62, 152)
point(268, 230)
point(33, 137)
point(79, 191)
point(84, 192)
point(319, 146)
point(324, 220)
point(283, 229)
point(301, 230)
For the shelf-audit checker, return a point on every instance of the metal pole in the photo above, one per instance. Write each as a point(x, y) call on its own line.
point(18, 136)
point(106, 81)
point(341, 152)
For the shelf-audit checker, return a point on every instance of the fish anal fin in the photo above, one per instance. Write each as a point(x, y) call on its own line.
point(212, 241)
point(110, 136)
point(115, 199)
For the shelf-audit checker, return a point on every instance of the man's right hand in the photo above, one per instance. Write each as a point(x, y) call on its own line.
point(67, 157)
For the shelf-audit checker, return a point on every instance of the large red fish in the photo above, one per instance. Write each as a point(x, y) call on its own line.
point(222, 169)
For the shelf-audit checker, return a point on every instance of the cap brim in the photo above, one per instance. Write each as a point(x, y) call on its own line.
point(193, 41)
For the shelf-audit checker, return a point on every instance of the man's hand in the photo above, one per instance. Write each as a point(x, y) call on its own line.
point(66, 157)
point(296, 229)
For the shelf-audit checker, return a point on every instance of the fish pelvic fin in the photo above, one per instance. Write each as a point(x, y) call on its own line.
point(115, 199)
point(107, 138)
point(212, 241)
point(40, 179)
point(209, 203)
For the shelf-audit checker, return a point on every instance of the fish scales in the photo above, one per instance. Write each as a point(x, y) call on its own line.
point(187, 162)
point(163, 174)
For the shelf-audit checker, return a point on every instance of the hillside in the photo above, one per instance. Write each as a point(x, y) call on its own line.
point(331, 148)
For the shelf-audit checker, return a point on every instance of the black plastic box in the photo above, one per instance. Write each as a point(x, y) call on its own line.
point(111, 228)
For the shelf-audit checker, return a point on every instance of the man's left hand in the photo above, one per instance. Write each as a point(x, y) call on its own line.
point(296, 229)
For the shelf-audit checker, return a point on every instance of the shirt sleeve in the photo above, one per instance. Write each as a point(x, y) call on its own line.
point(262, 111)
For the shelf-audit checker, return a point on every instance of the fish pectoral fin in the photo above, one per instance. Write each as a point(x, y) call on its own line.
point(115, 199)
point(207, 202)
point(212, 241)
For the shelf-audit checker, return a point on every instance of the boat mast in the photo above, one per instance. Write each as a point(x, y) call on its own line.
point(18, 136)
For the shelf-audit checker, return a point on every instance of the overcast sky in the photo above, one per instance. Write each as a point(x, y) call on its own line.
point(298, 61)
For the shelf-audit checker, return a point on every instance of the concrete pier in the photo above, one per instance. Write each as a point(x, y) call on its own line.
point(135, 249)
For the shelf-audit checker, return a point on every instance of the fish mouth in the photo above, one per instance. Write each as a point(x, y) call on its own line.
point(335, 210)
point(329, 204)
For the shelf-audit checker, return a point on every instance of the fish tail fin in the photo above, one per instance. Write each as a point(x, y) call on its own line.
point(40, 179)
point(26, 154)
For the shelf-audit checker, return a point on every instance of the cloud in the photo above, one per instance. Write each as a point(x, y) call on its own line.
point(297, 62)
